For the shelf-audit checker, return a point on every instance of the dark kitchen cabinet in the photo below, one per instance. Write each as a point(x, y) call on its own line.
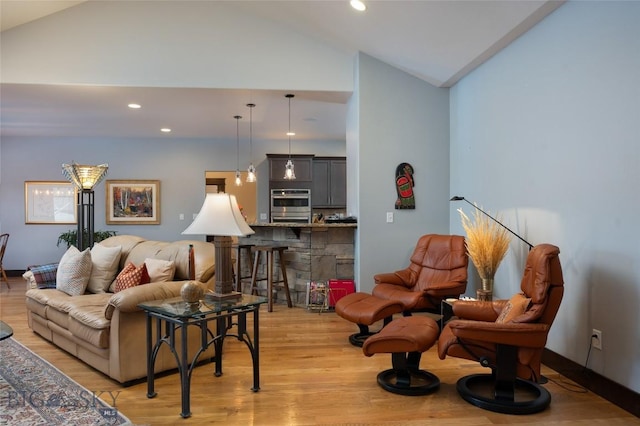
point(329, 186)
point(302, 166)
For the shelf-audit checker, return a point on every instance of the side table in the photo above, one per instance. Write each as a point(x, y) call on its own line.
point(5, 330)
point(173, 314)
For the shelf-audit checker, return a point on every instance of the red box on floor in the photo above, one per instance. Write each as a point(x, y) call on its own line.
point(338, 289)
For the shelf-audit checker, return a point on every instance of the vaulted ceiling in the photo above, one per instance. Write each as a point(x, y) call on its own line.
point(436, 41)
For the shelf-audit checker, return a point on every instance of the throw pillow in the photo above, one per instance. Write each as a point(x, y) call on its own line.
point(160, 270)
point(515, 307)
point(131, 276)
point(74, 271)
point(105, 262)
point(44, 275)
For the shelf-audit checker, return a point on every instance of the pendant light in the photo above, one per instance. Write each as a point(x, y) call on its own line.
point(289, 173)
point(238, 177)
point(251, 171)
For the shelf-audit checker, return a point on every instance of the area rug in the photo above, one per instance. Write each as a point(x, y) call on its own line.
point(34, 392)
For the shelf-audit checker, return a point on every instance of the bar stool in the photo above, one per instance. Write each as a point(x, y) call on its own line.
point(271, 277)
point(248, 258)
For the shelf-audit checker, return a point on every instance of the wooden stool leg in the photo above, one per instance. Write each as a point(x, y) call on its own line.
point(285, 282)
point(254, 273)
point(249, 261)
point(238, 272)
point(270, 280)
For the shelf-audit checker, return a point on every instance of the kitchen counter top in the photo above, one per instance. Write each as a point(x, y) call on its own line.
point(304, 225)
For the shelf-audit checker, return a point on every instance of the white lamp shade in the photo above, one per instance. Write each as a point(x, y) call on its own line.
point(219, 215)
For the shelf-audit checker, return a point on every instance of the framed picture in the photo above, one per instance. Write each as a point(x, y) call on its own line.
point(133, 202)
point(49, 202)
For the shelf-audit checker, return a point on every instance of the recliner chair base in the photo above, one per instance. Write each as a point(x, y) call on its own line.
point(357, 339)
point(408, 382)
point(524, 398)
point(406, 339)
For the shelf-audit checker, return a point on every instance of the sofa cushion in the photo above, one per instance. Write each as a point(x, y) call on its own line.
point(160, 270)
point(131, 276)
point(74, 271)
point(105, 261)
point(58, 304)
point(98, 337)
point(87, 321)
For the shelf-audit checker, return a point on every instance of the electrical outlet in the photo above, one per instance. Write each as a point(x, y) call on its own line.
point(389, 217)
point(596, 339)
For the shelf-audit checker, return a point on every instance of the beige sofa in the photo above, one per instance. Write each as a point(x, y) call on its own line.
point(108, 330)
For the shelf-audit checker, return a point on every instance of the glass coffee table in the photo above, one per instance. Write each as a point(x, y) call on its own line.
point(5, 330)
point(170, 315)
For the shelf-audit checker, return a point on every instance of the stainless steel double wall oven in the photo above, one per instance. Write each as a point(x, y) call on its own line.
point(291, 205)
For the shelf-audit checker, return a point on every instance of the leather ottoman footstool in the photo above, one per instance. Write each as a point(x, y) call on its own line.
point(405, 339)
point(364, 310)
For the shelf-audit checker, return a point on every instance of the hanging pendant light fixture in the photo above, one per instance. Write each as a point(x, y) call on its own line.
point(251, 171)
point(289, 173)
point(238, 177)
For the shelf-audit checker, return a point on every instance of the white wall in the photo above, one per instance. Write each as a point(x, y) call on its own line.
point(548, 134)
point(400, 119)
point(169, 44)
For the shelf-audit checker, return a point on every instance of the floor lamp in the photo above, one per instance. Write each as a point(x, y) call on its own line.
point(85, 178)
point(220, 216)
point(460, 198)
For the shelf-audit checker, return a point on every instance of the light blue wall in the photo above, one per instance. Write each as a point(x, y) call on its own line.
point(179, 165)
point(164, 44)
point(548, 134)
point(401, 119)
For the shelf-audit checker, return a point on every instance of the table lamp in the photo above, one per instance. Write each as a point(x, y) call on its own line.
point(220, 216)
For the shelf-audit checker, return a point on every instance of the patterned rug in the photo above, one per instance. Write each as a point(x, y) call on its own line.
point(34, 392)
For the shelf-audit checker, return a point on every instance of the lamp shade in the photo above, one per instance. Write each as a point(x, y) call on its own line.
point(84, 177)
point(219, 215)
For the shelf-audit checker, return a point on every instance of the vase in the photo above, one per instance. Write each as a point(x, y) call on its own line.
point(487, 284)
point(486, 293)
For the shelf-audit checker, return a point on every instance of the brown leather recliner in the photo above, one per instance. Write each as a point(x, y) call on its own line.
point(438, 270)
point(509, 337)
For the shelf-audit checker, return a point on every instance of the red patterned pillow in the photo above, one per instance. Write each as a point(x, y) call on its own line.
point(131, 276)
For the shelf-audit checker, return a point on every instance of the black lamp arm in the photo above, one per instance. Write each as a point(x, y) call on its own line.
point(459, 198)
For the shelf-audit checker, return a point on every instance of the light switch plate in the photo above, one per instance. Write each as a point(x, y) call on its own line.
point(389, 217)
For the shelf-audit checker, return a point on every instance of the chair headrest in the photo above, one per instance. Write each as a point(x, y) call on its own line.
point(445, 252)
point(541, 271)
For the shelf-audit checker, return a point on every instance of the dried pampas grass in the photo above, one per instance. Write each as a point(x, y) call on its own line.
point(487, 242)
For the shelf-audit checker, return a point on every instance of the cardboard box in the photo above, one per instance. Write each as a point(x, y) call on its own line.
point(338, 289)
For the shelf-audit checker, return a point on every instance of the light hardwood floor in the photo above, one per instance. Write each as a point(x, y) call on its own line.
point(310, 375)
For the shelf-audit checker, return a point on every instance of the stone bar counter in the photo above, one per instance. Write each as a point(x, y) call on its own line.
point(317, 252)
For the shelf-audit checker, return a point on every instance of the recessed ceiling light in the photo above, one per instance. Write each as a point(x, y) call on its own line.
point(134, 106)
point(165, 130)
point(358, 5)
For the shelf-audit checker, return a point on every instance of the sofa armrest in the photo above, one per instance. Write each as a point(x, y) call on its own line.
point(129, 299)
